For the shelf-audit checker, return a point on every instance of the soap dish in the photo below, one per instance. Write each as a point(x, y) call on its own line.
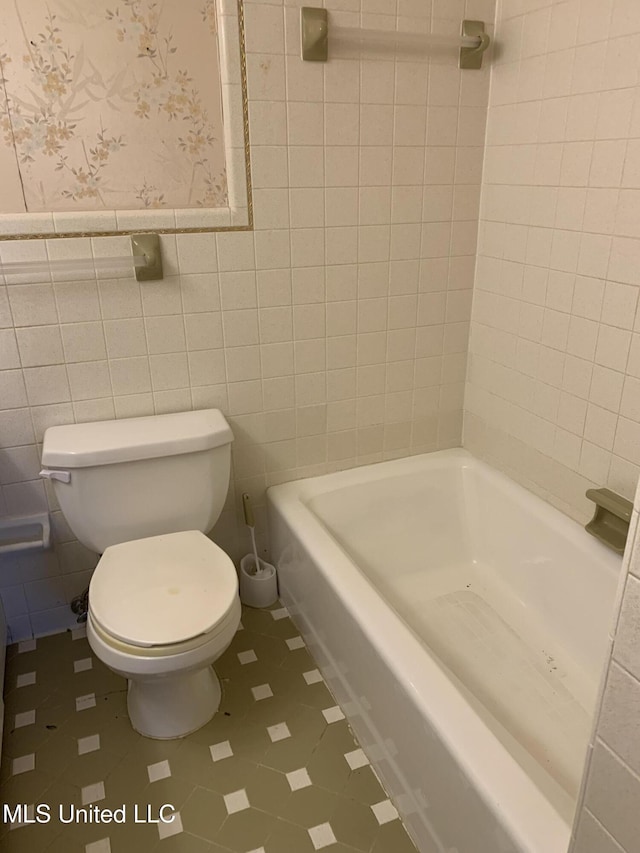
point(25, 533)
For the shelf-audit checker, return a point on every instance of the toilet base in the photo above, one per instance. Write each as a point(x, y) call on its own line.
point(173, 706)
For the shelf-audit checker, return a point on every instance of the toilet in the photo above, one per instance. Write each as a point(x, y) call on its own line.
point(163, 599)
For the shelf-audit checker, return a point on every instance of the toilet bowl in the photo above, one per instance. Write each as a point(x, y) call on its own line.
point(161, 611)
point(163, 601)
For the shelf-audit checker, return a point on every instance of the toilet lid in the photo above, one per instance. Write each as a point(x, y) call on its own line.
point(162, 590)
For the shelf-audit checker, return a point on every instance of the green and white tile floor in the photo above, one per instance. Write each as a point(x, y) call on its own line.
point(276, 771)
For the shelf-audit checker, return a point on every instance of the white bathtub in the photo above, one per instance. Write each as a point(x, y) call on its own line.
point(462, 624)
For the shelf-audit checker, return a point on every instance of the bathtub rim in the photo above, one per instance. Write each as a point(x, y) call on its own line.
point(518, 803)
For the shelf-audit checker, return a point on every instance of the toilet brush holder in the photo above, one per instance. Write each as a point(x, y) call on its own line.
point(257, 590)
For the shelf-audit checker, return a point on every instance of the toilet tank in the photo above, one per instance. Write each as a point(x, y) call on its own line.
point(128, 479)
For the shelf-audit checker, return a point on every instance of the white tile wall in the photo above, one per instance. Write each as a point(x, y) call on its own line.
point(553, 380)
point(552, 393)
point(607, 819)
point(335, 334)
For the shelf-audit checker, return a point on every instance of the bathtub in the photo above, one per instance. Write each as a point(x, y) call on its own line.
point(462, 624)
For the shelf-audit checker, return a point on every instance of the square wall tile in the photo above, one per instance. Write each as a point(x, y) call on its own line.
point(39, 345)
point(610, 794)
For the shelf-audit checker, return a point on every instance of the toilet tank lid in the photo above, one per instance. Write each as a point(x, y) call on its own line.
point(130, 439)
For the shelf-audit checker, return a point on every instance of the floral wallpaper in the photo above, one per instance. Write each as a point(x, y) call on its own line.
point(110, 105)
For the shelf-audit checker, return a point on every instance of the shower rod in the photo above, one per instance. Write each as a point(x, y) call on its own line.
point(472, 42)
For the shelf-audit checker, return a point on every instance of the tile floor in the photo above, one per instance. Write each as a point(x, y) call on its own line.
point(276, 771)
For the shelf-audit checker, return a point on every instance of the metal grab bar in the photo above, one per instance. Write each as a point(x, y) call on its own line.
point(145, 261)
point(472, 42)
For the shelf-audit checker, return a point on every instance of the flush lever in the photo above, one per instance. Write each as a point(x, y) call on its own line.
point(63, 476)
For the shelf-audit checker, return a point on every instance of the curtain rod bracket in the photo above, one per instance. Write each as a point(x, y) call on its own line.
point(471, 57)
point(147, 246)
point(314, 28)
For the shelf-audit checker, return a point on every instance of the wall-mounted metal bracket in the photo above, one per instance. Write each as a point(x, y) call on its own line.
point(610, 523)
point(314, 34)
point(471, 57)
point(147, 246)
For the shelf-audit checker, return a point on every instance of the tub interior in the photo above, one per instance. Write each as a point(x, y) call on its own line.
point(511, 608)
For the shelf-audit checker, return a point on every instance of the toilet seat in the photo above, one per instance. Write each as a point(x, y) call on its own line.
point(229, 623)
point(164, 594)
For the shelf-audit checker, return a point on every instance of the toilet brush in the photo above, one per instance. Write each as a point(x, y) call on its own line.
point(258, 579)
point(250, 522)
